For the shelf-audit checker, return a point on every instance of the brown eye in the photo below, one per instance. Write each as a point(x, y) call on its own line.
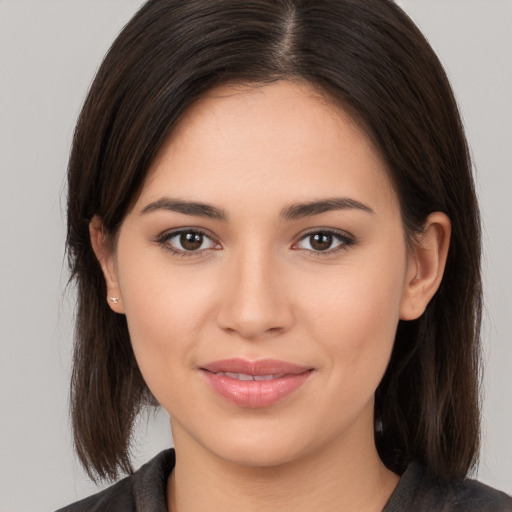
point(191, 241)
point(321, 241)
point(187, 242)
point(324, 241)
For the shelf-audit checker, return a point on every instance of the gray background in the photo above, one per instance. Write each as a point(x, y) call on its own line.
point(49, 51)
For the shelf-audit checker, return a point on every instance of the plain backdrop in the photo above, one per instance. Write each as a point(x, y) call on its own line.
point(49, 51)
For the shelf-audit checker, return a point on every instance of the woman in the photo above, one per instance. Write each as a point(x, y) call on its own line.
point(273, 229)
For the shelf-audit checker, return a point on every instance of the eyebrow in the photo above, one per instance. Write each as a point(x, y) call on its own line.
point(187, 208)
point(292, 212)
point(298, 211)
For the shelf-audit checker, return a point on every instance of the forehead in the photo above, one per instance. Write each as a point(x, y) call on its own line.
point(284, 139)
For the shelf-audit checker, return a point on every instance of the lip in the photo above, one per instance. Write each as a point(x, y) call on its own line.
point(278, 379)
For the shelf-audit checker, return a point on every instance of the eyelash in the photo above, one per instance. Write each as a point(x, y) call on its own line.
point(162, 241)
point(345, 240)
point(164, 238)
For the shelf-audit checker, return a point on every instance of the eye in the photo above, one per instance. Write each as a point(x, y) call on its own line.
point(325, 241)
point(187, 241)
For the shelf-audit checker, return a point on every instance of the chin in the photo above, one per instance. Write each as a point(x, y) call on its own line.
point(258, 448)
point(266, 456)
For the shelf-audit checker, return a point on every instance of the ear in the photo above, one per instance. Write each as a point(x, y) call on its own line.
point(104, 251)
point(426, 264)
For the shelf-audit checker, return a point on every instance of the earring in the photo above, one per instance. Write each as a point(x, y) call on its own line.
point(115, 300)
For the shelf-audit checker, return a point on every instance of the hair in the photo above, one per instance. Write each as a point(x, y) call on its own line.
point(371, 59)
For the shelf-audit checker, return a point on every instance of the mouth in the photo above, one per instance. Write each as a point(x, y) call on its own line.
point(246, 376)
point(255, 384)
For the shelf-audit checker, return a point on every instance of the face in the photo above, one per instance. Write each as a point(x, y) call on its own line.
point(263, 272)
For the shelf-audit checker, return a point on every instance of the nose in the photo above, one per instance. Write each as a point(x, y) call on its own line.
point(255, 302)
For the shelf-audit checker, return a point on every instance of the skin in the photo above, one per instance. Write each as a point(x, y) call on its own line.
point(258, 288)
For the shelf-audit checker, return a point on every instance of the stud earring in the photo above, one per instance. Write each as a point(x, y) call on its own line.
point(115, 300)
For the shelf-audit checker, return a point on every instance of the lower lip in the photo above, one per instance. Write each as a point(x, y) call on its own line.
point(253, 393)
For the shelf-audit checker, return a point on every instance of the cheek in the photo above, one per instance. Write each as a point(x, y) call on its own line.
point(167, 310)
point(153, 311)
point(160, 335)
point(353, 313)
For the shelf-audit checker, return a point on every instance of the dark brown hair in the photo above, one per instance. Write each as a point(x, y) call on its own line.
point(368, 57)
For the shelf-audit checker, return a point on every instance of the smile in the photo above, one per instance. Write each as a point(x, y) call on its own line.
point(254, 384)
point(246, 376)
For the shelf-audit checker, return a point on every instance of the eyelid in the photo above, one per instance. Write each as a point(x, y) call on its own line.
point(167, 235)
point(344, 237)
point(346, 240)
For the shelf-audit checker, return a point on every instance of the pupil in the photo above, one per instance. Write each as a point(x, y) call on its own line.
point(321, 241)
point(191, 241)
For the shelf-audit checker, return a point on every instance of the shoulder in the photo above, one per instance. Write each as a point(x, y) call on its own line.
point(116, 497)
point(473, 495)
point(144, 488)
point(420, 492)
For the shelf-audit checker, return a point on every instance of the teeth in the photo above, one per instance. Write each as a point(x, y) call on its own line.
point(245, 376)
point(264, 377)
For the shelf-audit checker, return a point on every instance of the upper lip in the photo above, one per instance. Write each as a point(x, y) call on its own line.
point(261, 367)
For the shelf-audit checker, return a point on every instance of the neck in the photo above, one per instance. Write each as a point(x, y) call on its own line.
point(346, 475)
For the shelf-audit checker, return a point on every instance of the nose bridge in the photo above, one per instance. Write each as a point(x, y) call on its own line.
point(255, 301)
